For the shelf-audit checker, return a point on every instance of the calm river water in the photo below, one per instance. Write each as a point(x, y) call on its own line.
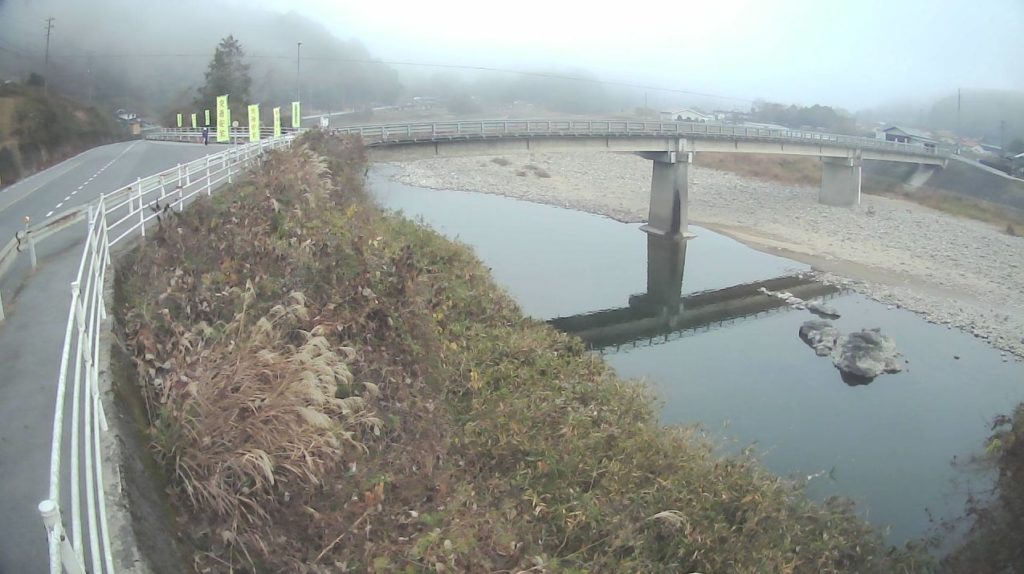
point(889, 445)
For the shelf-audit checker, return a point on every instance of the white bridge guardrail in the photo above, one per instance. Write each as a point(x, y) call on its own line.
point(113, 218)
point(434, 131)
point(236, 135)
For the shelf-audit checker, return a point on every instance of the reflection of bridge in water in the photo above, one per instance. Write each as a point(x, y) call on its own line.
point(663, 313)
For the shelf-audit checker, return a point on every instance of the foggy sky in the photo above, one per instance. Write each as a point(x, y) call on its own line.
point(852, 54)
point(855, 54)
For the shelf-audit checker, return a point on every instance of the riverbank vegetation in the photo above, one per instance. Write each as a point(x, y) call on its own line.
point(332, 388)
point(995, 540)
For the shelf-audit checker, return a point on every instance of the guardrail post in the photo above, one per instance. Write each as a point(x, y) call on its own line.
point(31, 243)
point(50, 512)
point(208, 192)
point(142, 210)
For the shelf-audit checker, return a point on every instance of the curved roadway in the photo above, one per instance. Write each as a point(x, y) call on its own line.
point(31, 338)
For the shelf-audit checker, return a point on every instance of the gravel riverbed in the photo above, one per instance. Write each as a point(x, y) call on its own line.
point(952, 271)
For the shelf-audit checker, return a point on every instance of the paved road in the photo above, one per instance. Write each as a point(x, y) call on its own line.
point(30, 340)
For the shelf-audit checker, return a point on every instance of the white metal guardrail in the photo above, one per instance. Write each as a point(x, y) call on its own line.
point(434, 131)
point(113, 218)
point(236, 135)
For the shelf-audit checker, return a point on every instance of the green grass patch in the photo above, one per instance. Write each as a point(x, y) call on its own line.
point(331, 388)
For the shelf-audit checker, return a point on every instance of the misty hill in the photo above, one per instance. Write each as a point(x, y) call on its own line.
point(37, 131)
point(151, 56)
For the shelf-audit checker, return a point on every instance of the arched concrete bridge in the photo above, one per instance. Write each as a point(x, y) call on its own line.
point(669, 145)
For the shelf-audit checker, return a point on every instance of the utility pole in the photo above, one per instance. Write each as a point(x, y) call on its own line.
point(46, 57)
point(958, 112)
point(298, 72)
point(1002, 138)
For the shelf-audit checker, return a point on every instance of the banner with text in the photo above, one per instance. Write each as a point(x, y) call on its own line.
point(195, 121)
point(207, 117)
point(179, 120)
point(254, 122)
point(296, 118)
point(277, 122)
point(223, 119)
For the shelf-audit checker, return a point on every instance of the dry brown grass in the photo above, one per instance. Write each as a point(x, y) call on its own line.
point(790, 170)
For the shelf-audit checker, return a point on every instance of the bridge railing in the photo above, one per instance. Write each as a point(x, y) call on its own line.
point(432, 131)
point(115, 217)
point(236, 135)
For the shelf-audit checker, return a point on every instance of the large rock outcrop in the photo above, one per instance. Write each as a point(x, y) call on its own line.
point(820, 336)
point(864, 355)
point(859, 356)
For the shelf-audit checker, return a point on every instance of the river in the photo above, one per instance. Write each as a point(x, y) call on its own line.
point(898, 446)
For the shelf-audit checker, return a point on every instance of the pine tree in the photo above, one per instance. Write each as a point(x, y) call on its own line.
point(227, 74)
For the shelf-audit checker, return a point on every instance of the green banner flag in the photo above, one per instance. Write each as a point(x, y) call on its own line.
point(296, 118)
point(223, 119)
point(195, 121)
point(277, 122)
point(207, 118)
point(179, 120)
point(254, 122)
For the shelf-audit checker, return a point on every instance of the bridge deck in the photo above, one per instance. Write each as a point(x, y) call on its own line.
point(497, 136)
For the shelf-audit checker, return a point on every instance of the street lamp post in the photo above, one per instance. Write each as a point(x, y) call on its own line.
point(298, 72)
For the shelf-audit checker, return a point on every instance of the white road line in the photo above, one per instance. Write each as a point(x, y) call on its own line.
point(67, 197)
point(48, 214)
point(60, 204)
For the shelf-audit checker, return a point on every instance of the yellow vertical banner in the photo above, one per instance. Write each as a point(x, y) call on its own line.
point(223, 119)
point(277, 122)
point(207, 117)
point(179, 120)
point(254, 122)
point(296, 118)
point(195, 121)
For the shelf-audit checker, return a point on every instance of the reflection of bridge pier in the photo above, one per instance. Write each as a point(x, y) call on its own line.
point(663, 311)
point(666, 260)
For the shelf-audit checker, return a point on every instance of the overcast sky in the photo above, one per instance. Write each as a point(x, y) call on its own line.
point(854, 54)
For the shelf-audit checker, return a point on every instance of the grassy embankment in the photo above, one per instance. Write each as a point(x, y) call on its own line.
point(995, 542)
point(37, 131)
point(330, 388)
point(806, 171)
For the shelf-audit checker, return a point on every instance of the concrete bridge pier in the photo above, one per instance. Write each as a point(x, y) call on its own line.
point(669, 193)
point(921, 175)
point(840, 181)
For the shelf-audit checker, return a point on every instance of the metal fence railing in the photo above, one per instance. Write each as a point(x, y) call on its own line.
point(236, 135)
point(113, 218)
point(422, 132)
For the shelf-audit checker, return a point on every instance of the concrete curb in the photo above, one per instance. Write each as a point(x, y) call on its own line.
point(128, 558)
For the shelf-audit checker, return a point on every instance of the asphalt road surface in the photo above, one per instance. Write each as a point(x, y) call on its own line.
point(36, 303)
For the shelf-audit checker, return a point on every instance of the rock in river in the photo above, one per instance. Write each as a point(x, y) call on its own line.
point(822, 310)
point(864, 355)
point(820, 336)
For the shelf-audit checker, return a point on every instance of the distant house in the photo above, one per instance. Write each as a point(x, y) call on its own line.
point(686, 115)
point(900, 134)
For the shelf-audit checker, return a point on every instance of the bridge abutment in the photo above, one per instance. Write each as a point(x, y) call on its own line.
point(669, 193)
point(840, 181)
